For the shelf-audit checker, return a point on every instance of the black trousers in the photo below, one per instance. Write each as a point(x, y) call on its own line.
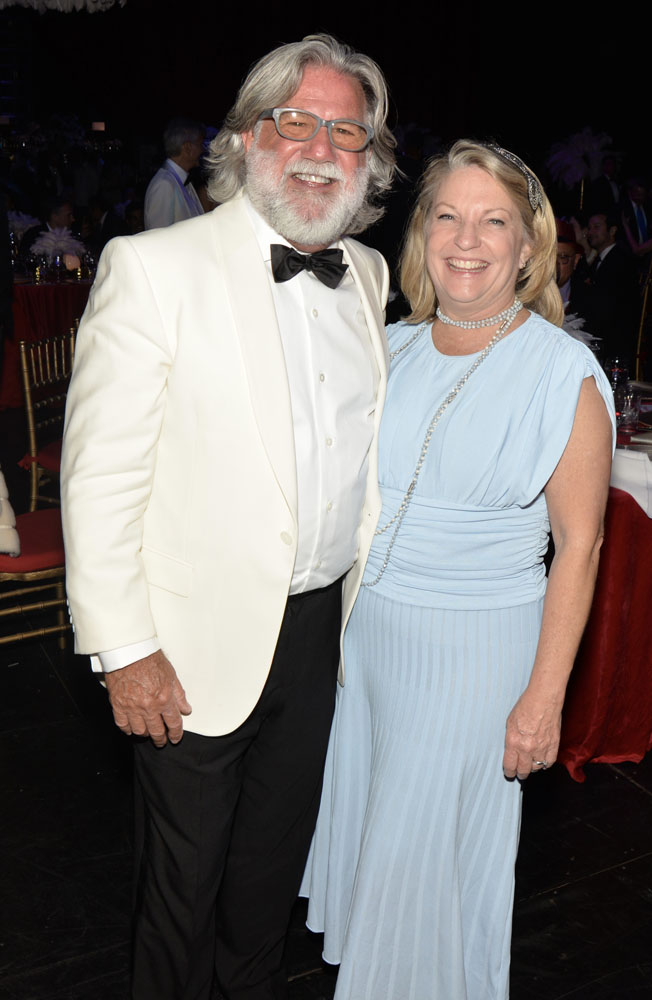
point(224, 826)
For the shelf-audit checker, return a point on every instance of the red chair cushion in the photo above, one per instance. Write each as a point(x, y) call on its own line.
point(41, 543)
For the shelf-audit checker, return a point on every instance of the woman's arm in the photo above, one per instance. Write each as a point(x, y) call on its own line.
point(576, 495)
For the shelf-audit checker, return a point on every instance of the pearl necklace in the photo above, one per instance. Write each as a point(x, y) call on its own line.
point(398, 517)
point(507, 314)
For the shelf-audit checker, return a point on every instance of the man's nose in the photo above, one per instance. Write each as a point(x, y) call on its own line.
point(319, 147)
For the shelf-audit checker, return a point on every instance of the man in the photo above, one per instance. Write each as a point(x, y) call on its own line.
point(103, 222)
point(219, 480)
point(569, 254)
point(170, 196)
point(614, 290)
point(604, 192)
point(57, 214)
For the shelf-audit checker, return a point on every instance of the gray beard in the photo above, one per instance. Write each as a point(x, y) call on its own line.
point(286, 217)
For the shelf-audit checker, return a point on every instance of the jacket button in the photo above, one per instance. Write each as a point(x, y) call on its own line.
point(286, 538)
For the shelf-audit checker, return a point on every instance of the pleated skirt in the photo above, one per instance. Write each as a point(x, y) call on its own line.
point(411, 870)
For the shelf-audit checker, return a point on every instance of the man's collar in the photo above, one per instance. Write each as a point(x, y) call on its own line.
point(179, 171)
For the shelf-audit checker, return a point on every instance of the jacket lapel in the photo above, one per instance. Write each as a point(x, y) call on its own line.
point(369, 296)
point(255, 321)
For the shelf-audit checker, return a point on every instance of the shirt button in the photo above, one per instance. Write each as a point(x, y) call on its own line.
point(315, 313)
point(322, 377)
point(329, 505)
point(318, 564)
point(286, 538)
point(329, 442)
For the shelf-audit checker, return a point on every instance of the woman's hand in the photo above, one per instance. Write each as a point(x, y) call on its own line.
point(532, 736)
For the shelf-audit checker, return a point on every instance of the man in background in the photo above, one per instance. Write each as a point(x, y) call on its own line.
point(170, 196)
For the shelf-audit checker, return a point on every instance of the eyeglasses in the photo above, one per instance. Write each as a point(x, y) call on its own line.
point(300, 126)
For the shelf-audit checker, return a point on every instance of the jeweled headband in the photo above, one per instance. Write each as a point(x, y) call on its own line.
point(534, 194)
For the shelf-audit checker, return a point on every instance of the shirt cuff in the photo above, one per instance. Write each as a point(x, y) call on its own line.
point(116, 659)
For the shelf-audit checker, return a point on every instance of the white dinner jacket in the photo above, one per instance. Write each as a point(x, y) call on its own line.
point(179, 486)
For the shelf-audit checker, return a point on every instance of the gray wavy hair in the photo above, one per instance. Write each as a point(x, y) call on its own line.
point(270, 84)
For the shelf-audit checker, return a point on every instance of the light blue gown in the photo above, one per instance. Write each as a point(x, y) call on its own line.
point(411, 871)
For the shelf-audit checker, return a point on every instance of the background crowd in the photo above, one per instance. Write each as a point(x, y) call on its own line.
point(56, 174)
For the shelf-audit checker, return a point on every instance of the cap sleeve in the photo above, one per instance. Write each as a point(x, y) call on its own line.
point(550, 413)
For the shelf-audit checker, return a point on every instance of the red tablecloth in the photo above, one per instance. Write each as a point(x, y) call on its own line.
point(608, 711)
point(39, 311)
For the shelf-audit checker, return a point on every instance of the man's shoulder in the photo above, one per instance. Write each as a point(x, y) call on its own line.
point(364, 254)
point(162, 176)
point(177, 244)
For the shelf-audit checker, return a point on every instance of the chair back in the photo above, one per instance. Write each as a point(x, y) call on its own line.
point(46, 367)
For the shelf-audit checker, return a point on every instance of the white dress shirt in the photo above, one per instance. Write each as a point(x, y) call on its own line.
point(333, 380)
point(169, 199)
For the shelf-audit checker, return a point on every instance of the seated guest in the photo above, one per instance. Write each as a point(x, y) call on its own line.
point(103, 223)
point(171, 196)
point(57, 214)
point(134, 218)
point(604, 192)
point(615, 297)
point(569, 254)
point(577, 297)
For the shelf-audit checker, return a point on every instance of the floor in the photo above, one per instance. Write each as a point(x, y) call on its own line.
point(583, 916)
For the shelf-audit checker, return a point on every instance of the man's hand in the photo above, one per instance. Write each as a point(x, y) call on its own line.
point(148, 700)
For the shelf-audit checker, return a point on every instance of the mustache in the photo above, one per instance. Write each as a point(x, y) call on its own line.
point(330, 171)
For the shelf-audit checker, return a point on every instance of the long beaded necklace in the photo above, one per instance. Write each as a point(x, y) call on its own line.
point(399, 516)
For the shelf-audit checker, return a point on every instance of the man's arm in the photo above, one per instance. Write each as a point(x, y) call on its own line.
point(114, 414)
point(115, 409)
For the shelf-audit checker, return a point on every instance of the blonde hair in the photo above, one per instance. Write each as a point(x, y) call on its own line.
point(535, 286)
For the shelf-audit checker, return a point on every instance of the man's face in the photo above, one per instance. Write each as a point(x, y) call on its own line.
point(192, 150)
point(598, 233)
point(637, 194)
point(62, 217)
point(567, 261)
point(309, 191)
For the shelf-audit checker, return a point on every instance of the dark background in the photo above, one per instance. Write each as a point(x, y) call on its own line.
point(525, 75)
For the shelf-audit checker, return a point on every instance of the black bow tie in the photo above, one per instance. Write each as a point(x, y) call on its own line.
point(325, 264)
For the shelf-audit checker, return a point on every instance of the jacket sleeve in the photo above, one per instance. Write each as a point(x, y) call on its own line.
point(114, 412)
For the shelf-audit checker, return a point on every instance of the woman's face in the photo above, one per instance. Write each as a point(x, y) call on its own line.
point(475, 245)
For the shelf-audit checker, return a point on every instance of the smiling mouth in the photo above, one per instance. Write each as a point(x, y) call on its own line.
point(313, 179)
point(458, 264)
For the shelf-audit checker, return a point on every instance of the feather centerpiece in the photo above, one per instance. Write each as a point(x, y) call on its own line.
point(57, 242)
point(578, 157)
point(574, 326)
point(20, 222)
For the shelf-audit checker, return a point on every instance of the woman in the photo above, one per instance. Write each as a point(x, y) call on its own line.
point(497, 426)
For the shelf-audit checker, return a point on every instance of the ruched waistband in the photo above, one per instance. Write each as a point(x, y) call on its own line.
point(456, 556)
